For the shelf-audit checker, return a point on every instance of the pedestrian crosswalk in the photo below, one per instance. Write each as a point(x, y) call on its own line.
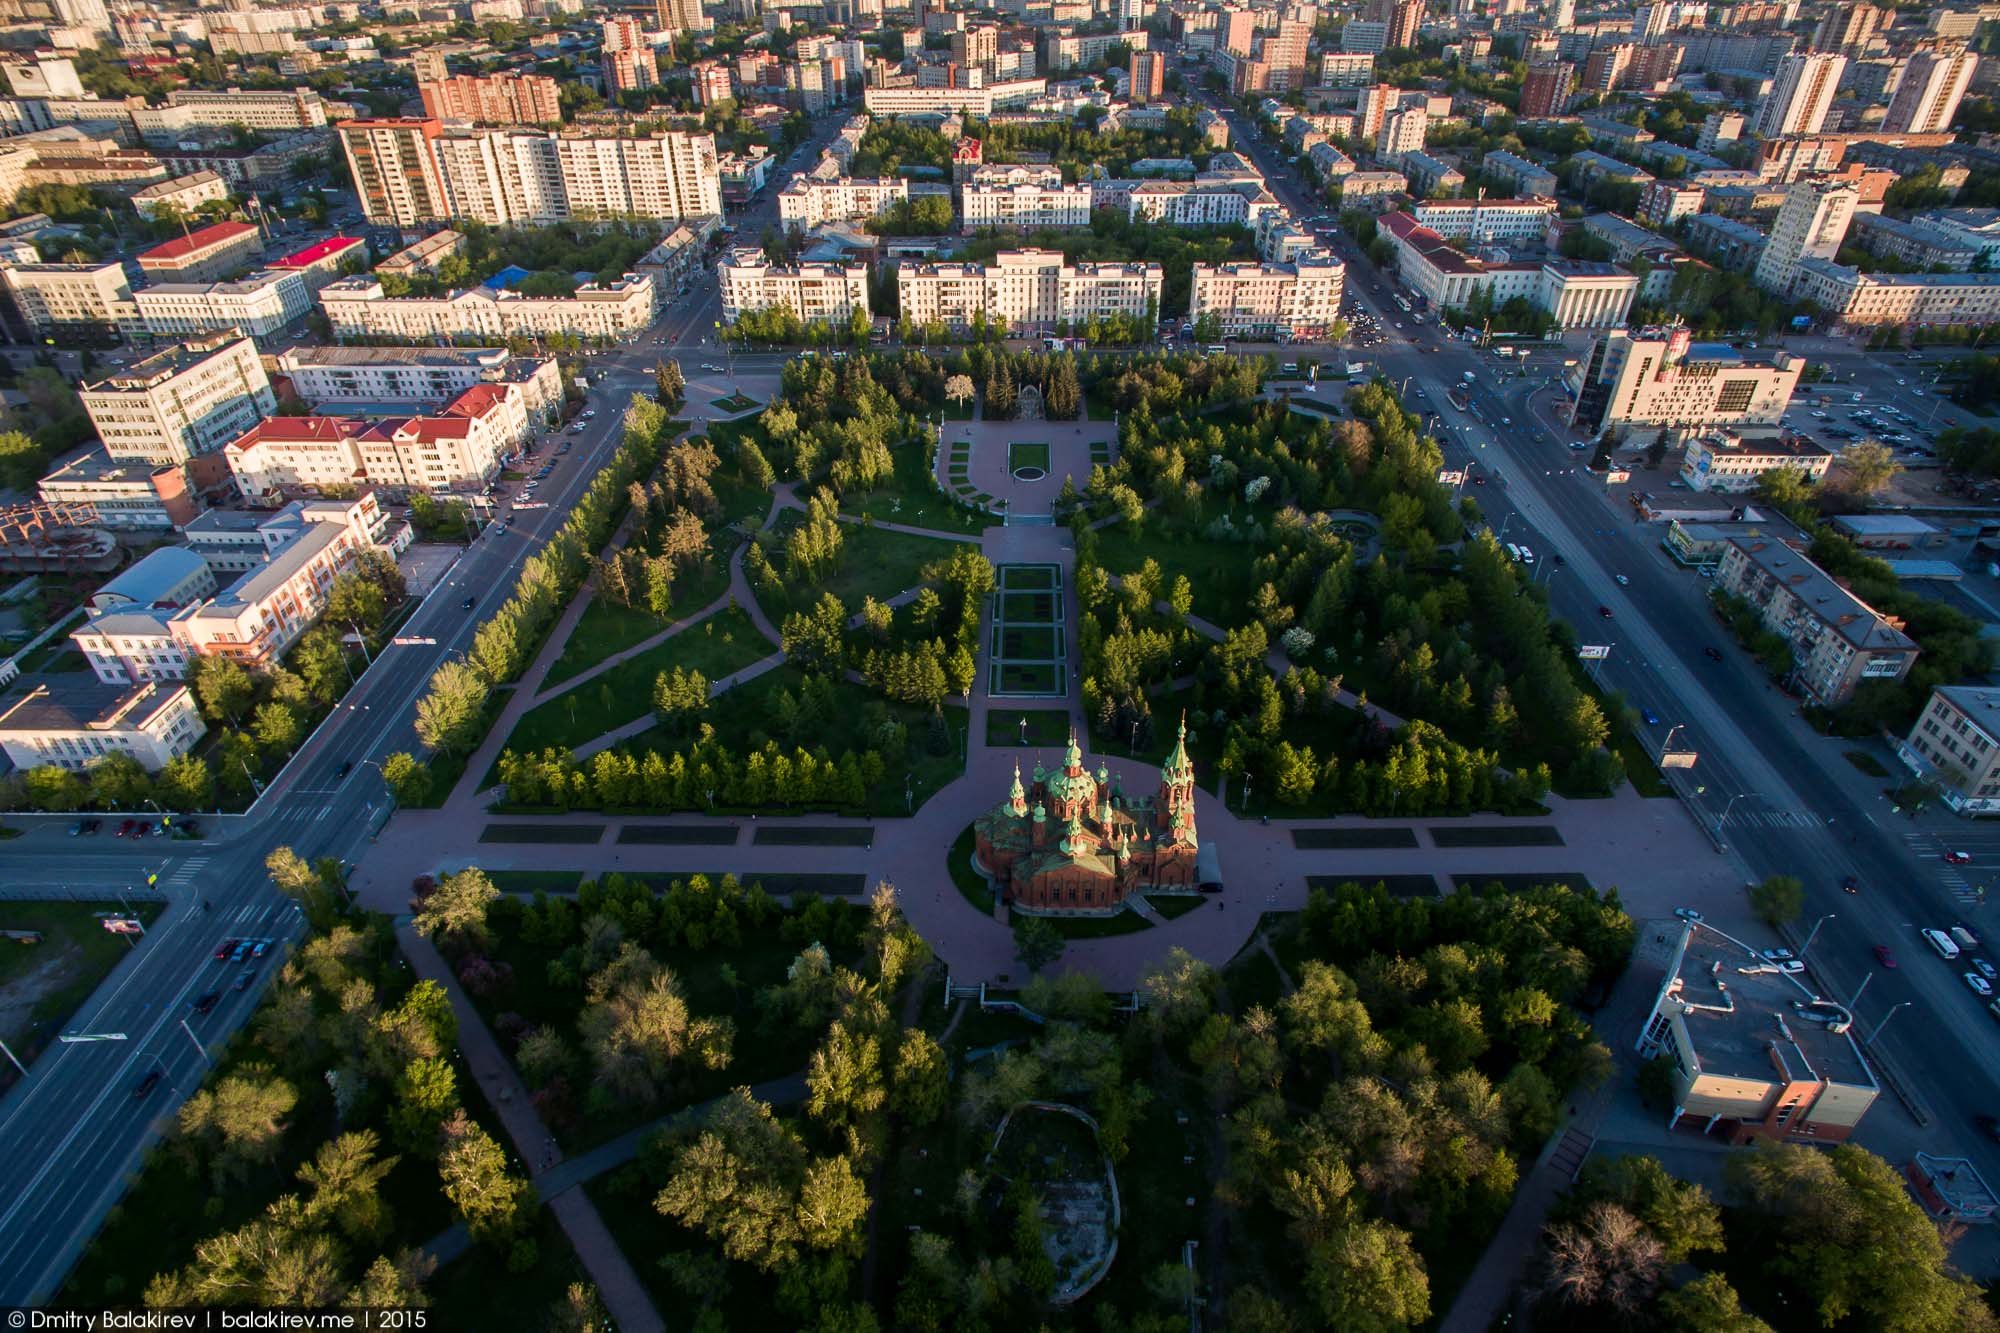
point(1787, 819)
point(1925, 847)
point(185, 874)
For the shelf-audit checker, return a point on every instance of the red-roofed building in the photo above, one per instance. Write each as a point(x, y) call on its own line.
point(461, 448)
point(326, 261)
point(211, 254)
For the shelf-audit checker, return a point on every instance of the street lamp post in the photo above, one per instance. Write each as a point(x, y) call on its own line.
point(1668, 744)
point(197, 1043)
point(1904, 1004)
point(1731, 806)
point(1813, 934)
point(366, 657)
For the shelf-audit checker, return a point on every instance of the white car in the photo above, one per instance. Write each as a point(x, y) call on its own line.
point(1623, 582)
point(1980, 985)
point(1778, 955)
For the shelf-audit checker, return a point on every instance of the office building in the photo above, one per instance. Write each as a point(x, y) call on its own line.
point(610, 311)
point(205, 255)
point(1800, 95)
point(818, 293)
point(1955, 746)
point(182, 402)
point(1927, 99)
point(1299, 299)
point(395, 169)
point(1577, 294)
point(1723, 462)
point(1655, 378)
point(1024, 206)
point(1837, 640)
point(1811, 225)
point(70, 301)
point(811, 201)
point(1546, 90)
point(261, 305)
point(69, 723)
point(1031, 290)
point(494, 99)
point(1930, 300)
point(1480, 222)
point(983, 101)
point(1754, 1051)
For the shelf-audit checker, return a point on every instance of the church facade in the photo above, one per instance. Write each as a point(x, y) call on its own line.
point(1072, 841)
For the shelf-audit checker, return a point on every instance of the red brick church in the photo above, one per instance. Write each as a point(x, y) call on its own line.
point(1074, 842)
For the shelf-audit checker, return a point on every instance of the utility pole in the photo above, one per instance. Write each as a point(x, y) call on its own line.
point(199, 1050)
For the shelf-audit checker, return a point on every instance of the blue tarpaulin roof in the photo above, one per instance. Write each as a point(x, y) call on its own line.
point(506, 279)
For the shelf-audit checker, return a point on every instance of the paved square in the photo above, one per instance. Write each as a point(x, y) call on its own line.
point(1016, 469)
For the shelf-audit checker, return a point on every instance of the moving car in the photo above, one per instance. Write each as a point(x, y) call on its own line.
point(467, 604)
point(1885, 957)
point(1712, 653)
point(207, 1002)
point(1652, 718)
point(1989, 1126)
point(1957, 858)
point(1623, 582)
point(146, 1084)
point(240, 952)
point(222, 949)
point(1985, 969)
point(1604, 611)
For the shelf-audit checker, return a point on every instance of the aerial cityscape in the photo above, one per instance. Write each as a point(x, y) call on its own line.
point(1119, 665)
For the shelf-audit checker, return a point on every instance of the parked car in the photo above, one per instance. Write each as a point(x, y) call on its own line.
point(222, 949)
point(1713, 653)
point(1885, 957)
point(1985, 969)
point(1980, 985)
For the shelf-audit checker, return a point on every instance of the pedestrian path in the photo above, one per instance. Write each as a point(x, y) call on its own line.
point(185, 874)
point(1785, 819)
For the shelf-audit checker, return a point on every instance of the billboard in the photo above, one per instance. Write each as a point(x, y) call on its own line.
point(1447, 478)
point(1617, 477)
point(1593, 652)
point(1678, 759)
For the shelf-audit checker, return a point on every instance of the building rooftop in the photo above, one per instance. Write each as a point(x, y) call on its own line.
point(160, 366)
point(1750, 1020)
point(317, 251)
point(181, 247)
point(78, 701)
point(1885, 525)
point(393, 356)
point(265, 580)
point(223, 520)
point(148, 580)
point(1853, 619)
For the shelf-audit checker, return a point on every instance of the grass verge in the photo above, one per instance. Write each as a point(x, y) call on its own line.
point(972, 885)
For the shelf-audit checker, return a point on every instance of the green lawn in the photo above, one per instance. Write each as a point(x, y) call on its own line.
point(743, 719)
point(606, 628)
point(1028, 453)
point(1220, 572)
point(1097, 927)
point(535, 881)
point(1028, 608)
point(1038, 681)
point(874, 562)
point(1171, 905)
point(1035, 643)
point(911, 496)
point(1046, 726)
point(58, 974)
point(724, 643)
point(969, 882)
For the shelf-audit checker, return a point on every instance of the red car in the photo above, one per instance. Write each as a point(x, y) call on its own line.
point(222, 949)
point(125, 829)
point(1884, 957)
point(1957, 858)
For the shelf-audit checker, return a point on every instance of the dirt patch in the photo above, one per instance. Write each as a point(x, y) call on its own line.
point(45, 977)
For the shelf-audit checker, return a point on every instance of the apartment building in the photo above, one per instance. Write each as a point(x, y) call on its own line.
point(625, 56)
point(1024, 206)
point(1527, 179)
point(1655, 378)
point(1933, 84)
point(1402, 132)
point(1147, 72)
point(671, 175)
point(1801, 94)
point(1346, 69)
point(275, 111)
point(1032, 290)
point(611, 311)
point(331, 377)
point(459, 448)
point(1480, 222)
point(494, 99)
point(1755, 1052)
point(1663, 203)
point(180, 196)
point(818, 293)
point(1299, 299)
point(982, 102)
point(262, 305)
point(1910, 299)
point(69, 301)
point(1918, 247)
point(206, 255)
point(1547, 88)
point(188, 400)
point(1955, 745)
point(257, 618)
point(815, 201)
point(395, 169)
point(1811, 225)
point(1837, 640)
point(67, 723)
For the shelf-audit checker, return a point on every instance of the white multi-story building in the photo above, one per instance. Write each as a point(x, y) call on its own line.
point(1192, 204)
point(1811, 225)
point(1024, 206)
point(816, 293)
point(262, 304)
point(1402, 132)
point(1800, 95)
point(1933, 85)
point(71, 300)
point(1664, 379)
point(1860, 299)
point(659, 176)
point(981, 102)
point(459, 448)
point(188, 400)
point(1346, 69)
point(1480, 222)
point(1576, 294)
point(263, 112)
point(329, 377)
point(1300, 299)
point(73, 724)
point(813, 202)
point(1525, 178)
point(183, 195)
point(605, 311)
point(394, 165)
point(1032, 290)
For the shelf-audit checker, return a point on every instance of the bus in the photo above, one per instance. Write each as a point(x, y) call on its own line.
point(1400, 301)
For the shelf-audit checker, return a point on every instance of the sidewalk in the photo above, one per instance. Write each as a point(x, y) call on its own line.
point(617, 1283)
